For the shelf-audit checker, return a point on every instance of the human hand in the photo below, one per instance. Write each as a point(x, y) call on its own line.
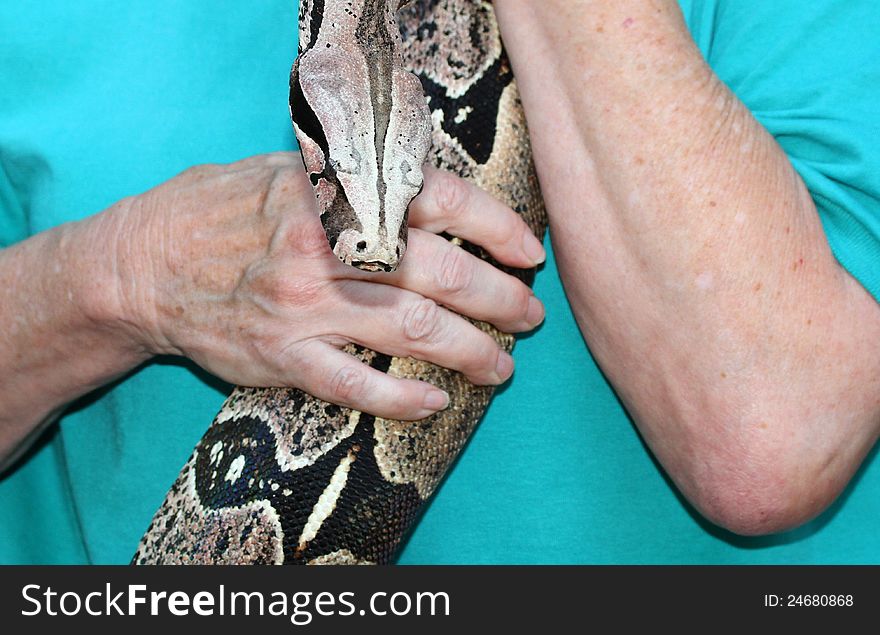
point(229, 265)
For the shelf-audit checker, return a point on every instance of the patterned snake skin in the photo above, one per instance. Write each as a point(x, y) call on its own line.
point(281, 477)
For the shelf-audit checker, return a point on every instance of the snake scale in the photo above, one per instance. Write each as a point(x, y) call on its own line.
point(281, 477)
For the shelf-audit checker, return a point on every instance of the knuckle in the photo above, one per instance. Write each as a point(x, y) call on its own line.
point(451, 194)
point(348, 383)
point(522, 297)
point(456, 270)
point(306, 238)
point(300, 294)
point(422, 320)
point(482, 358)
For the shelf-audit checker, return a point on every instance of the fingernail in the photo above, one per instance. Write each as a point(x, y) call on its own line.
point(436, 400)
point(504, 367)
point(535, 312)
point(533, 249)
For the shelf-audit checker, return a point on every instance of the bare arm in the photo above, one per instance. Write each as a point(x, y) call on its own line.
point(696, 263)
point(58, 339)
point(229, 265)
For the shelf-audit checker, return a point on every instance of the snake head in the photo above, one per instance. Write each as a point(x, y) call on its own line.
point(364, 129)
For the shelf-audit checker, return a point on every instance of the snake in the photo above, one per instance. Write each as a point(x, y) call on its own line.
point(378, 89)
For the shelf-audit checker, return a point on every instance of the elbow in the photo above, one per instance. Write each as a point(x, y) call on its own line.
point(755, 506)
point(765, 481)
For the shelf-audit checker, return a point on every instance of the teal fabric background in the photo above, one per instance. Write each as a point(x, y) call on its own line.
point(104, 99)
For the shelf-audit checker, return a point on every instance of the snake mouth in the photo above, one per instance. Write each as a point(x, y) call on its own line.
point(368, 253)
point(373, 266)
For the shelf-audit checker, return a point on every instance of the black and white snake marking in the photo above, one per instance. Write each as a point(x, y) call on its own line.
point(282, 477)
point(363, 126)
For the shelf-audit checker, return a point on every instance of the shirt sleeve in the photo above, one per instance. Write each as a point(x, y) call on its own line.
point(810, 73)
point(13, 222)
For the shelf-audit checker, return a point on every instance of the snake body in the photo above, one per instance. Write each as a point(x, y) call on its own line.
point(282, 477)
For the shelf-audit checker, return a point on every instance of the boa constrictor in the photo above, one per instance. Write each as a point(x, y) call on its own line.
point(282, 477)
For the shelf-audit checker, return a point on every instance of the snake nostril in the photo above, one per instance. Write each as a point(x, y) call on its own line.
point(362, 245)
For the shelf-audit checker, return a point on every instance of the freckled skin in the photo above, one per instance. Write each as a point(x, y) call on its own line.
point(606, 82)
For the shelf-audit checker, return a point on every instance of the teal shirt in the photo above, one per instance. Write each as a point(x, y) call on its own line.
point(104, 99)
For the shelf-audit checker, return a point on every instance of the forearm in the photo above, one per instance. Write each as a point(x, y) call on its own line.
point(229, 266)
point(60, 338)
point(695, 261)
